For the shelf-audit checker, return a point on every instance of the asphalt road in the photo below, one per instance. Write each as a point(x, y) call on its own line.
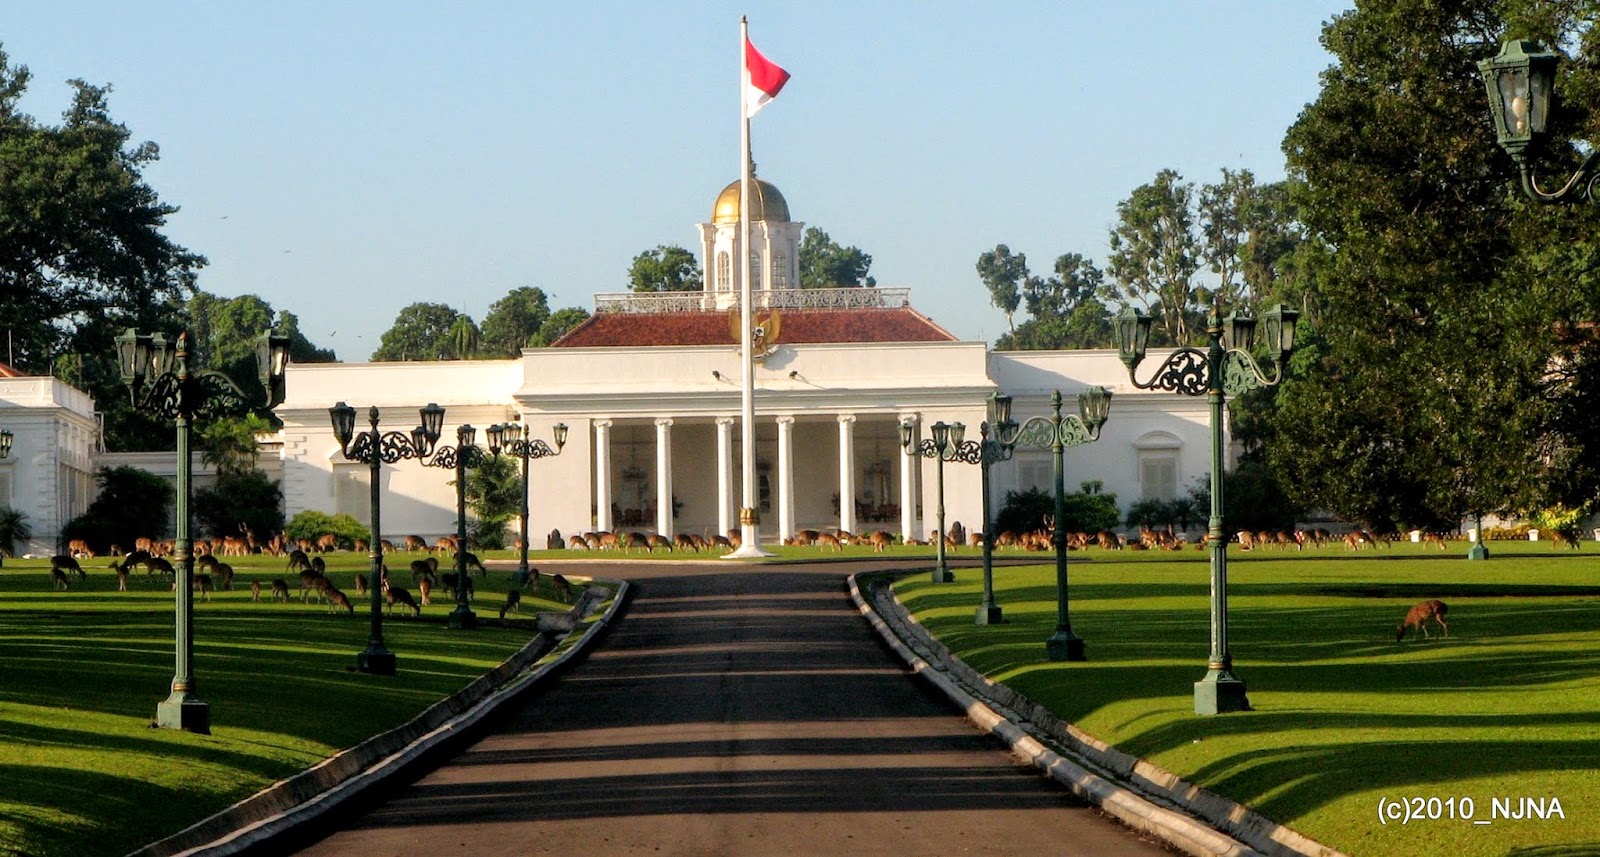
point(733, 711)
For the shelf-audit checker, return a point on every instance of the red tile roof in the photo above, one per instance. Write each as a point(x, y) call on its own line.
point(636, 329)
point(8, 372)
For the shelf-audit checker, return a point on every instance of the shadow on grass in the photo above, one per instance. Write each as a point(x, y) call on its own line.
point(34, 822)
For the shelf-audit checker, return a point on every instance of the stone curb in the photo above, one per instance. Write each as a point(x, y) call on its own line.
point(309, 795)
point(1142, 795)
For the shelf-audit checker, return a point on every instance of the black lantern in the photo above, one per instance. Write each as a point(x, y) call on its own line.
point(1133, 335)
point(1520, 82)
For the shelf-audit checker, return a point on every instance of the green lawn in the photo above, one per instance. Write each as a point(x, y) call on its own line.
point(1507, 707)
point(83, 773)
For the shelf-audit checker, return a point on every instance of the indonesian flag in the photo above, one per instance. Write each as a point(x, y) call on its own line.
point(763, 80)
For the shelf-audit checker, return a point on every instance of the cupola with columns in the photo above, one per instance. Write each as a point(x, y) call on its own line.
point(774, 243)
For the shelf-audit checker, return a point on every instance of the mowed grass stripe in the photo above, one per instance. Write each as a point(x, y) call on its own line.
point(1507, 707)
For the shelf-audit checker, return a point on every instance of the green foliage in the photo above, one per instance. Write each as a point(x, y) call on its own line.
point(132, 505)
point(14, 528)
point(826, 265)
point(494, 496)
point(1155, 254)
point(1003, 274)
point(1441, 384)
point(1179, 514)
point(421, 331)
point(230, 444)
point(1063, 308)
point(560, 321)
point(1087, 510)
point(514, 322)
point(668, 268)
point(241, 501)
point(1254, 501)
point(311, 524)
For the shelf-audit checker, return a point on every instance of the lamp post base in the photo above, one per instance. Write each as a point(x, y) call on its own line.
point(181, 711)
point(989, 614)
point(462, 619)
point(376, 660)
point(944, 575)
point(748, 551)
point(1478, 551)
point(1065, 646)
point(1220, 692)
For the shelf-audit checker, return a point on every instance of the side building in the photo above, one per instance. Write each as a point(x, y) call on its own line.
point(49, 474)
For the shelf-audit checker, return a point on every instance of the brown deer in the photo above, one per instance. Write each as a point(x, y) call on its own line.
point(396, 595)
point(255, 590)
point(1417, 617)
point(64, 563)
point(361, 583)
point(201, 583)
point(561, 588)
point(425, 586)
point(80, 548)
point(122, 578)
point(881, 540)
point(280, 590)
point(337, 600)
point(415, 543)
point(828, 540)
point(58, 578)
point(513, 603)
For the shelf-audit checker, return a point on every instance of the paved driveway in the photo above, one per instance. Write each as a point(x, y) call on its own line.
point(733, 710)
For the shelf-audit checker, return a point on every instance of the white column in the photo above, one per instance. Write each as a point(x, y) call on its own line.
point(664, 476)
point(785, 477)
point(725, 518)
point(847, 473)
point(909, 464)
point(602, 476)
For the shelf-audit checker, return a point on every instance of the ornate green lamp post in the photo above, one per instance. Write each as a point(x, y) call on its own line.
point(156, 370)
point(1521, 82)
point(459, 457)
point(1054, 433)
point(375, 448)
point(1224, 368)
point(518, 443)
point(945, 445)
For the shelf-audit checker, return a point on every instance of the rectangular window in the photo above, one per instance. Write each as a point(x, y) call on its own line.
point(1035, 473)
point(352, 490)
point(1158, 476)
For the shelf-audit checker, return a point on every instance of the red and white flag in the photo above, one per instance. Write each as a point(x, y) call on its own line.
point(763, 79)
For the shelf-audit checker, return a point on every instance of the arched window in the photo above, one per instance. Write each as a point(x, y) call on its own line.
point(1159, 475)
point(780, 271)
point(724, 272)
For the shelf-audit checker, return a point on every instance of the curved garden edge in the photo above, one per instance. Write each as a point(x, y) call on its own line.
point(309, 795)
point(1142, 795)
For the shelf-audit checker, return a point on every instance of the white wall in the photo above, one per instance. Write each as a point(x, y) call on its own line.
point(49, 474)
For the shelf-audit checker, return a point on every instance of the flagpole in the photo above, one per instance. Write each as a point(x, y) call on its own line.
point(749, 516)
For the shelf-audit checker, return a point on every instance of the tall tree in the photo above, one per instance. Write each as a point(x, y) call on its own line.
point(420, 331)
point(668, 268)
point(1429, 390)
point(1155, 254)
point(824, 264)
point(1003, 274)
point(513, 322)
point(82, 253)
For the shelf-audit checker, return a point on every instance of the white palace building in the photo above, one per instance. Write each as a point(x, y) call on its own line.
point(649, 388)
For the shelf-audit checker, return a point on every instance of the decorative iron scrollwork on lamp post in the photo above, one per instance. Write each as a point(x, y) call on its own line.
point(373, 448)
point(1222, 369)
point(517, 442)
point(158, 376)
point(1054, 433)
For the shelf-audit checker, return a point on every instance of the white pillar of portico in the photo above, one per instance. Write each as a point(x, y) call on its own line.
point(909, 461)
point(847, 473)
point(602, 476)
point(724, 474)
point(664, 476)
point(785, 477)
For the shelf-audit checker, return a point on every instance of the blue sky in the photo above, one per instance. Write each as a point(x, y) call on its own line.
point(343, 160)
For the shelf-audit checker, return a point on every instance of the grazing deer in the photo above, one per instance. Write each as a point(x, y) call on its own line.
point(224, 575)
point(444, 544)
point(425, 586)
point(311, 582)
point(80, 548)
point(513, 603)
point(201, 583)
point(415, 543)
point(424, 569)
point(1417, 616)
point(161, 565)
point(58, 578)
point(361, 583)
point(298, 561)
point(396, 595)
point(827, 540)
point(561, 588)
point(327, 543)
point(578, 543)
point(337, 599)
point(280, 590)
point(449, 578)
point(721, 542)
point(1434, 539)
point(469, 560)
point(65, 563)
point(881, 540)
point(255, 590)
point(683, 541)
point(122, 578)
point(319, 566)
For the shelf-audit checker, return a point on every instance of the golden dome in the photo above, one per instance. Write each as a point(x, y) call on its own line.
point(769, 203)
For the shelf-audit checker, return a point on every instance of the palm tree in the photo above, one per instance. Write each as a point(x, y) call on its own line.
point(13, 528)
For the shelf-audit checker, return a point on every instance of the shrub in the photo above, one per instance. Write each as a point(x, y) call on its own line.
point(240, 499)
point(1087, 510)
point(313, 525)
point(132, 505)
point(13, 528)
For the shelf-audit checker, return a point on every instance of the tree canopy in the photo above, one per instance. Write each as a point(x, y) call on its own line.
point(667, 268)
point(513, 322)
point(824, 264)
